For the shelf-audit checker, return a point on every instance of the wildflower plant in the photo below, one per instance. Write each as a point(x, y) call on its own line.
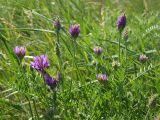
point(121, 24)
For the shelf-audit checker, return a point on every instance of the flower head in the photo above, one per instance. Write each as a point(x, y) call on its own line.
point(19, 51)
point(57, 24)
point(102, 77)
point(152, 102)
point(143, 58)
point(94, 62)
point(98, 50)
point(75, 30)
point(121, 23)
point(52, 82)
point(40, 63)
point(115, 65)
point(125, 35)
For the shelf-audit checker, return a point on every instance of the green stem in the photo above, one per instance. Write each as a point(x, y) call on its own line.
point(126, 57)
point(55, 98)
point(35, 109)
point(58, 45)
point(30, 107)
point(74, 50)
point(74, 59)
point(73, 62)
point(135, 70)
point(57, 36)
point(119, 45)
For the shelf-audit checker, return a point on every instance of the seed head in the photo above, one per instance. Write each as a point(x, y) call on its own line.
point(125, 35)
point(157, 117)
point(152, 102)
point(94, 62)
point(115, 65)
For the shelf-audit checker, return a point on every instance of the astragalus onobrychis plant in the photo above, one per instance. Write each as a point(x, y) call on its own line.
point(79, 60)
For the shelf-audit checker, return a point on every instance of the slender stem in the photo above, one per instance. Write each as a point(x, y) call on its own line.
point(60, 61)
point(30, 107)
point(35, 109)
point(126, 57)
point(74, 64)
point(74, 49)
point(58, 45)
point(135, 70)
point(147, 114)
point(126, 52)
point(58, 51)
point(119, 43)
point(74, 59)
point(55, 97)
point(57, 36)
point(21, 83)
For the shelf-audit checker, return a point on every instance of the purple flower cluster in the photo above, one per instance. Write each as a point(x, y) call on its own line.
point(19, 51)
point(40, 63)
point(143, 58)
point(121, 23)
point(52, 82)
point(75, 30)
point(102, 77)
point(57, 24)
point(98, 50)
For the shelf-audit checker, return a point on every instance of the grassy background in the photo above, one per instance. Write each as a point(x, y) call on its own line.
point(128, 95)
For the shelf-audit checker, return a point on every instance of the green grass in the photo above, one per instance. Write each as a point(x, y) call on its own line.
point(127, 95)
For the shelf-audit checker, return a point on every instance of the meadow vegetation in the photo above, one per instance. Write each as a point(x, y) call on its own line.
point(79, 60)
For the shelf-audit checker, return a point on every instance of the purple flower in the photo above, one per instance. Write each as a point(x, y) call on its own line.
point(75, 30)
point(121, 23)
point(102, 77)
point(143, 58)
point(52, 82)
point(20, 51)
point(40, 63)
point(57, 24)
point(98, 50)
